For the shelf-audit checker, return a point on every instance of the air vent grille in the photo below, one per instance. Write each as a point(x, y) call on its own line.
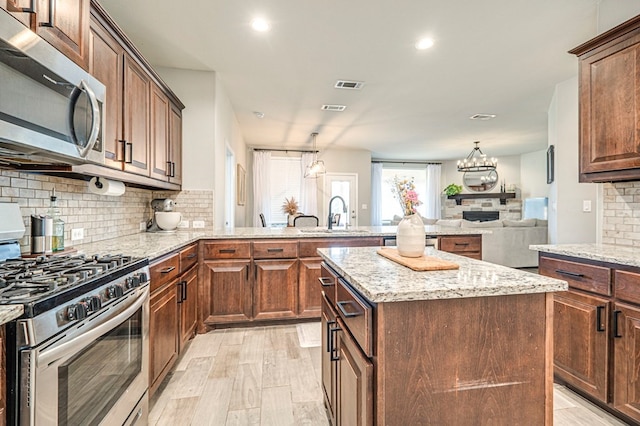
point(350, 85)
point(333, 107)
point(482, 116)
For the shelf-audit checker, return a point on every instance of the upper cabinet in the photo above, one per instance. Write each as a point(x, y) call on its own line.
point(609, 148)
point(63, 23)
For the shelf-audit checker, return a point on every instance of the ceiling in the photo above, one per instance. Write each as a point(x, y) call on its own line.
point(500, 57)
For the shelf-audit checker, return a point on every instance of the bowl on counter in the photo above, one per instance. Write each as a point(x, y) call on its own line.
point(168, 221)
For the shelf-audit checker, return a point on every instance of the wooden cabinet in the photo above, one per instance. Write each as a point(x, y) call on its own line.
point(597, 331)
point(188, 305)
point(175, 144)
point(227, 291)
point(22, 10)
point(329, 368)
point(309, 288)
point(275, 293)
point(463, 245)
point(166, 138)
point(65, 25)
point(163, 334)
point(609, 99)
point(136, 118)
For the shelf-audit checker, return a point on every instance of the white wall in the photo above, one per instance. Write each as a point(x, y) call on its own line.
point(614, 12)
point(533, 174)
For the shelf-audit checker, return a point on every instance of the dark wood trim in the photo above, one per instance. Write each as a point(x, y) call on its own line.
point(606, 37)
point(503, 196)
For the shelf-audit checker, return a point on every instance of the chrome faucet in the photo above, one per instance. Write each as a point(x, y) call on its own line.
point(344, 210)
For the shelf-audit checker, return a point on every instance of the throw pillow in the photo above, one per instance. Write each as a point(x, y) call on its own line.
point(429, 221)
point(524, 223)
point(541, 222)
point(452, 223)
point(478, 224)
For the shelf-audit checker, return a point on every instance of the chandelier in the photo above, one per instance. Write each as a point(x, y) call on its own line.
point(476, 161)
point(316, 167)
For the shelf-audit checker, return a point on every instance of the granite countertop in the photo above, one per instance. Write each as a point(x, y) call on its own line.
point(611, 253)
point(381, 280)
point(153, 245)
point(10, 312)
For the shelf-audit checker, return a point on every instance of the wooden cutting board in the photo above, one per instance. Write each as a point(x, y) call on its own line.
point(422, 263)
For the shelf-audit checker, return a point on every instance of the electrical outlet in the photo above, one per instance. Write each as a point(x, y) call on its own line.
point(77, 234)
point(183, 224)
point(586, 205)
point(198, 223)
point(143, 226)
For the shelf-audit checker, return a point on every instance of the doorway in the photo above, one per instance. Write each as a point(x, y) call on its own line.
point(230, 188)
point(344, 185)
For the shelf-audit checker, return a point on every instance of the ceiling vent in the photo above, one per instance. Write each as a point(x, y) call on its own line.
point(482, 116)
point(333, 107)
point(350, 85)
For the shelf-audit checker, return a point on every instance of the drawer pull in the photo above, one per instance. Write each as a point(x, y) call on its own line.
point(329, 342)
point(231, 251)
point(275, 250)
point(191, 255)
point(569, 273)
point(344, 311)
point(616, 316)
point(326, 282)
point(181, 288)
point(599, 326)
point(461, 244)
point(334, 354)
point(167, 269)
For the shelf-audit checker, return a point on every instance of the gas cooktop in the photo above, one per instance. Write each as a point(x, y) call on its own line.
point(48, 281)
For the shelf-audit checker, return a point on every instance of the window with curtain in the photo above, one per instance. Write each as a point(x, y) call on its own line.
point(285, 182)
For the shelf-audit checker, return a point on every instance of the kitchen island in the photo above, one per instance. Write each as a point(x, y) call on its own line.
point(466, 346)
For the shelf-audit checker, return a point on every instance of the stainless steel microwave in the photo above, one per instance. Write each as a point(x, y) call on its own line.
point(51, 110)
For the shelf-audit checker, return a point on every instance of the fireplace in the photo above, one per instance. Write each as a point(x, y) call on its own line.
point(480, 216)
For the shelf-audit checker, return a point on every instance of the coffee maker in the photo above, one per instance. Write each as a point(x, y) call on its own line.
point(159, 205)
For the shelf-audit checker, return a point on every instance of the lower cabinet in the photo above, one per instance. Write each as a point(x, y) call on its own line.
point(626, 344)
point(275, 293)
point(163, 333)
point(309, 289)
point(463, 245)
point(188, 305)
point(329, 368)
point(228, 291)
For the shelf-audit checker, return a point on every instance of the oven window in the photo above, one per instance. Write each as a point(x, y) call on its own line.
point(91, 383)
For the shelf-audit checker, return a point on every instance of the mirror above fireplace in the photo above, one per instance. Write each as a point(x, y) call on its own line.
point(480, 181)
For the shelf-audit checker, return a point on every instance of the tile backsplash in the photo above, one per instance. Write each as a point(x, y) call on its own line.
point(101, 217)
point(621, 213)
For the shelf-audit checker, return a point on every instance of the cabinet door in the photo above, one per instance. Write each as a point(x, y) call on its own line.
point(609, 99)
point(65, 24)
point(626, 379)
point(21, 10)
point(275, 291)
point(355, 382)
point(106, 64)
point(580, 341)
point(309, 288)
point(160, 166)
point(175, 144)
point(228, 291)
point(163, 333)
point(188, 302)
point(329, 367)
point(136, 118)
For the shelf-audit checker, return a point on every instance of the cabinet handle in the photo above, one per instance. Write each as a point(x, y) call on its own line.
point(569, 273)
point(325, 281)
point(173, 169)
point(461, 244)
point(12, 8)
point(181, 287)
point(247, 273)
point(229, 251)
point(184, 290)
point(329, 342)
point(123, 151)
point(616, 315)
point(167, 269)
point(334, 356)
point(599, 326)
point(128, 145)
point(51, 17)
point(344, 312)
point(192, 255)
point(275, 250)
point(168, 171)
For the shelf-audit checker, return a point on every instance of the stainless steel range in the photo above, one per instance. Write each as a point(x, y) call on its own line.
point(79, 354)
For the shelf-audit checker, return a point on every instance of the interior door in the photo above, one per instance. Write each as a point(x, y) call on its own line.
point(344, 185)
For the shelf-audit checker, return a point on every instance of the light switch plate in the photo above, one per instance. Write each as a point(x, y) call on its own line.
point(143, 226)
point(586, 205)
point(198, 223)
point(77, 234)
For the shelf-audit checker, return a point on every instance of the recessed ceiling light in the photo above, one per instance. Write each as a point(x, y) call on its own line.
point(258, 114)
point(482, 116)
point(424, 43)
point(260, 25)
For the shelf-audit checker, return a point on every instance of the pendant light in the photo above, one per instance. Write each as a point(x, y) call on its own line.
point(476, 161)
point(316, 167)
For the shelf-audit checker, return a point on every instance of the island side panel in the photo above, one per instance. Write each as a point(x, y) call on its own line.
point(464, 361)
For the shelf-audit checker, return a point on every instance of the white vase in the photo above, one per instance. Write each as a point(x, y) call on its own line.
point(410, 237)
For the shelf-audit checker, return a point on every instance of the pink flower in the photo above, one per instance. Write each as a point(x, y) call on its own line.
point(412, 196)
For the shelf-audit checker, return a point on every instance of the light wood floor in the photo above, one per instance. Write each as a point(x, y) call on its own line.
point(261, 376)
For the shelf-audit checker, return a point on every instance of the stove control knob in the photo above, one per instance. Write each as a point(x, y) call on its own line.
point(143, 277)
point(77, 311)
point(94, 303)
point(133, 281)
point(115, 291)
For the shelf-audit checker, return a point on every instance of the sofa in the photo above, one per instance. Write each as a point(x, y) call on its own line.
point(509, 240)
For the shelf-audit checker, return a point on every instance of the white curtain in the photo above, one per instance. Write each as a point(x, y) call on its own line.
point(308, 188)
point(261, 188)
point(433, 191)
point(376, 194)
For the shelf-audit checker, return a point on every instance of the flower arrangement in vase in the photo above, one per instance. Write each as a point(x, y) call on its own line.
point(290, 207)
point(410, 236)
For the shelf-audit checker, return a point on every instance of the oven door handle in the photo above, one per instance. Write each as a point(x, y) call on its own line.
point(53, 354)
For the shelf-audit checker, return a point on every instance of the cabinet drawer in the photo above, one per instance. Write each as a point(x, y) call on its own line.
point(164, 271)
point(627, 286)
point(188, 257)
point(460, 244)
point(275, 249)
point(356, 314)
point(308, 247)
point(596, 279)
point(328, 281)
point(227, 250)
